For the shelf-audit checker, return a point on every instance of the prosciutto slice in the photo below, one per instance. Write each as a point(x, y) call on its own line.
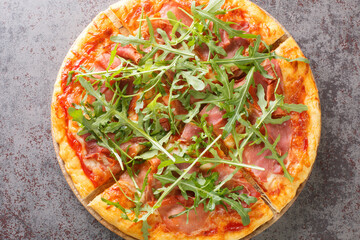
point(103, 61)
point(128, 52)
point(171, 206)
point(232, 45)
point(150, 166)
point(176, 106)
point(189, 131)
point(97, 162)
point(175, 9)
point(97, 159)
point(237, 180)
point(250, 156)
point(215, 118)
point(163, 23)
point(269, 85)
point(284, 130)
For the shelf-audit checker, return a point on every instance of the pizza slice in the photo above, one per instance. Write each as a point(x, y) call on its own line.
point(92, 43)
point(117, 205)
point(88, 161)
point(297, 137)
point(286, 142)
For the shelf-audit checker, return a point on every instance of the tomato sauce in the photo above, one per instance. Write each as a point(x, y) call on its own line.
point(98, 41)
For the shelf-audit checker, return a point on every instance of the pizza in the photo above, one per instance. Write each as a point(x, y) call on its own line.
point(182, 119)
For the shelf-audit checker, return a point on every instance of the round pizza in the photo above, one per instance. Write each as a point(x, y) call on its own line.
point(179, 119)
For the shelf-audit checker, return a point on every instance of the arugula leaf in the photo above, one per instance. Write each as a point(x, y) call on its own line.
point(145, 229)
point(69, 78)
point(196, 83)
point(294, 107)
point(244, 91)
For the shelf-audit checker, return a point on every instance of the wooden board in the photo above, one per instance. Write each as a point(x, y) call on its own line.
point(85, 201)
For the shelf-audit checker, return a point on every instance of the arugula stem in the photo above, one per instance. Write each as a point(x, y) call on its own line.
point(231, 163)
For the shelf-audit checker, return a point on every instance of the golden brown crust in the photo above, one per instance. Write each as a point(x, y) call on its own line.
point(297, 75)
point(101, 24)
point(260, 23)
point(227, 225)
point(113, 215)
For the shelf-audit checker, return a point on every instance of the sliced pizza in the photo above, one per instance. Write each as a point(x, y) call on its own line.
point(223, 222)
point(183, 104)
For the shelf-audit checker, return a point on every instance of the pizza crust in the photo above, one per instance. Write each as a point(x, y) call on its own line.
point(280, 190)
point(82, 183)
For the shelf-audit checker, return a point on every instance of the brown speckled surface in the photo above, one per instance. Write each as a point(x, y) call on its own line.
point(37, 203)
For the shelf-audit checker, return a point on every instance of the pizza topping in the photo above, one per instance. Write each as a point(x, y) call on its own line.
point(175, 9)
point(190, 130)
point(183, 223)
point(167, 90)
point(272, 68)
point(252, 155)
point(214, 117)
point(284, 131)
point(128, 52)
point(231, 46)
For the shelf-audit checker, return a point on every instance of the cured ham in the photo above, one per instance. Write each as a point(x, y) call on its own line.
point(237, 180)
point(103, 61)
point(175, 9)
point(171, 206)
point(269, 85)
point(250, 156)
point(98, 160)
point(176, 105)
point(215, 118)
point(284, 130)
point(133, 147)
point(144, 171)
point(128, 52)
point(164, 24)
point(232, 45)
point(189, 131)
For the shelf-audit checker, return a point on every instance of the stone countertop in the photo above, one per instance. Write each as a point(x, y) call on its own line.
point(37, 203)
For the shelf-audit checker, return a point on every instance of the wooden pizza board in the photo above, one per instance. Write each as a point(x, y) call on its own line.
point(85, 201)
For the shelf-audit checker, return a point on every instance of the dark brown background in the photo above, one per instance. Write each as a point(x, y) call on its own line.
point(37, 203)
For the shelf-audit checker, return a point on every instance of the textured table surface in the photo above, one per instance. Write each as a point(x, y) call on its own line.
point(37, 203)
